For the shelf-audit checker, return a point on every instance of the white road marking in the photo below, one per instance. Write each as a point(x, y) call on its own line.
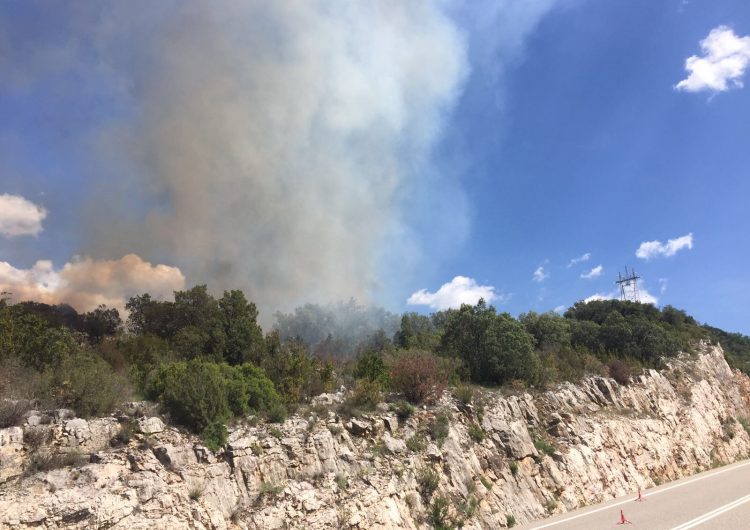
point(652, 494)
point(714, 513)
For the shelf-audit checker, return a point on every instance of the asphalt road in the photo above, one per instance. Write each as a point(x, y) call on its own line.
point(718, 499)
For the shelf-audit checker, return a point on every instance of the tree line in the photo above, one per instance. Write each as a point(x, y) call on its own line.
point(206, 360)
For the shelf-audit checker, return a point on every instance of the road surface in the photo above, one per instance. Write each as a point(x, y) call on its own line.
point(718, 499)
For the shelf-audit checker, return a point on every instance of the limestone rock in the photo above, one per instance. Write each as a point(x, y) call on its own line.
point(608, 440)
point(151, 425)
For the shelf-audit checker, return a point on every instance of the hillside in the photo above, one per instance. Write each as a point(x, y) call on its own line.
point(498, 460)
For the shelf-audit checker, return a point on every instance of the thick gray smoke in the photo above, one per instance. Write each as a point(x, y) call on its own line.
point(273, 139)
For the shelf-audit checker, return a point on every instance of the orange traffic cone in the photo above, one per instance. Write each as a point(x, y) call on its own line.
point(623, 519)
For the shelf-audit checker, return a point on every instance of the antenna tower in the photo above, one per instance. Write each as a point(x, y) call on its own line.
point(628, 285)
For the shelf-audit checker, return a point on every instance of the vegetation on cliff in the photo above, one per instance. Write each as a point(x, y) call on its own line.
point(206, 359)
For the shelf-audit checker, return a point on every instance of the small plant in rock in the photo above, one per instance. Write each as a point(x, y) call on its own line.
point(411, 500)
point(439, 428)
point(335, 429)
point(416, 443)
point(439, 513)
point(276, 433)
point(269, 489)
point(11, 412)
point(513, 465)
point(276, 413)
point(510, 521)
point(214, 436)
point(47, 462)
point(487, 483)
point(342, 482)
point(378, 448)
point(196, 491)
point(469, 507)
point(403, 409)
point(35, 437)
point(745, 424)
point(124, 435)
point(543, 446)
point(366, 395)
point(256, 449)
point(428, 480)
point(464, 394)
point(551, 506)
point(476, 433)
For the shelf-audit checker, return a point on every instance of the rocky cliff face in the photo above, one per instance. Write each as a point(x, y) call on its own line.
point(534, 455)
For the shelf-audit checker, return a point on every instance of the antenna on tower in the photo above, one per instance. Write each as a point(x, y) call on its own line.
point(628, 285)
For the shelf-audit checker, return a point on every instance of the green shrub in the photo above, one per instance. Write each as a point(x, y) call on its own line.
point(335, 429)
point(199, 393)
point(513, 465)
point(543, 446)
point(196, 491)
point(464, 394)
point(439, 428)
point(510, 521)
point(487, 483)
point(476, 433)
point(372, 367)
point(266, 488)
point(249, 390)
point(85, 383)
point(416, 443)
point(276, 433)
point(403, 409)
point(276, 413)
point(214, 436)
point(745, 424)
point(439, 513)
point(193, 392)
point(428, 480)
point(341, 481)
point(366, 395)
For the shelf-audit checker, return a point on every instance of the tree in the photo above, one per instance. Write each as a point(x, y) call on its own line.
point(101, 322)
point(416, 331)
point(495, 348)
point(244, 338)
point(550, 330)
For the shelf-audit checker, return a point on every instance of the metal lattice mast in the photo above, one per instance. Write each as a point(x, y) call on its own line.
point(628, 285)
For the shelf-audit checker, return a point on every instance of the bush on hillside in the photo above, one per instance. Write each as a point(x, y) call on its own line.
point(85, 383)
point(199, 393)
point(418, 375)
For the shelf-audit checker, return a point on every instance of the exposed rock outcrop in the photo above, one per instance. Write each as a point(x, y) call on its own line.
point(525, 455)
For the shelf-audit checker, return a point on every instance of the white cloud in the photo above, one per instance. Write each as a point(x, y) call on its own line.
point(645, 296)
point(460, 290)
point(593, 273)
point(85, 283)
point(560, 309)
point(540, 274)
point(19, 216)
point(663, 285)
point(724, 61)
point(655, 249)
point(579, 259)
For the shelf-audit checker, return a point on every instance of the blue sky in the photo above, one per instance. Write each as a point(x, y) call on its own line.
point(377, 154)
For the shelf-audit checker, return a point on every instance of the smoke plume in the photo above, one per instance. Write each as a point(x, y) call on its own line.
point(272, 140)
